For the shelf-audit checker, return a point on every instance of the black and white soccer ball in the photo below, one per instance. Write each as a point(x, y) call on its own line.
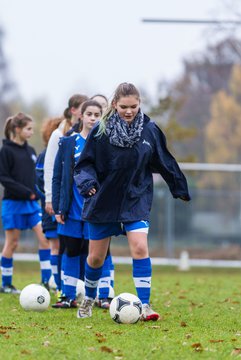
point(126, 308)
point(34, 297)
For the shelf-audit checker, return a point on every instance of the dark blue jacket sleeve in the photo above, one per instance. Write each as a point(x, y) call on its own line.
point(165, 164)
point(84, 172)
point(39, 170)
point(56, 180)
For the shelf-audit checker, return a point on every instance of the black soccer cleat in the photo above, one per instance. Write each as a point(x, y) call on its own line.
point(9, 289)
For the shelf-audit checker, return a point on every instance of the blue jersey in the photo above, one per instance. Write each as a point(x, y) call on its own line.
point(77, 202)
point(66, 199)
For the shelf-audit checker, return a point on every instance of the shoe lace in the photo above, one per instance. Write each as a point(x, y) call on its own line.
point(147, 309)
point(86, 305)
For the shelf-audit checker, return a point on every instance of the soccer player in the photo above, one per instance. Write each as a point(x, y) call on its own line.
point(102, 100)
point(20, 209)
point(104, 297)
point(114, 174)
point(67, 203)
point(49, 224)
point(71, 116)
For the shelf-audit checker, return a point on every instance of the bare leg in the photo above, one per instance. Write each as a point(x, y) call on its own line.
point(11, 242)
point(142, 272)
point(54, 244)
point(97, 252)
point(138, 244)
point(10, 245)
point(43, 242)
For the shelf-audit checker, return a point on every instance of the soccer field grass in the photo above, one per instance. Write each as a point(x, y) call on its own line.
point(201, 319)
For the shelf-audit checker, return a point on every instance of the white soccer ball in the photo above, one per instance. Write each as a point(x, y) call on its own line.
point(80, 291)
point(111, 292)
point(126, 308)
point(34, 297)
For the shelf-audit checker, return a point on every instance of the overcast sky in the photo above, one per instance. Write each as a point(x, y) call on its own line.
point(57, 48)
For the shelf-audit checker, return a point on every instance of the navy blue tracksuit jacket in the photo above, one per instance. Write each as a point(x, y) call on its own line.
point(62, 182)
point(123, 176)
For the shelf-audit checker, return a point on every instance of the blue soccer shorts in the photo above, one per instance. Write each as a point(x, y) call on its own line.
point(51, 234)
point(99, 231)
point(21, 221)
point(74, 228)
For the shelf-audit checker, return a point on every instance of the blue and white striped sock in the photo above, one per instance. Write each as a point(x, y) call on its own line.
point(112, 271)
point(7, 270)
point(104, 282)
point(64, 256)
point(92, 277)
point(54, 260)
point(71, 276)
point(142, 271)
point(45, 267)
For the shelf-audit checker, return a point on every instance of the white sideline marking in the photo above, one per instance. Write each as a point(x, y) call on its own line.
point(155, 261)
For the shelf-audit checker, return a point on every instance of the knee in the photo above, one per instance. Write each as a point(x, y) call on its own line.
point(95, 261)
point(139, 252)
point(12, 245)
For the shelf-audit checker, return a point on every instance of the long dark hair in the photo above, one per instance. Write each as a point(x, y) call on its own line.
point(84, 107)
point(19, 120)
point(74, 102)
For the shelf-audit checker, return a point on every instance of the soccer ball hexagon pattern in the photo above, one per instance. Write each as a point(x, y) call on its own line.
point(126, 308)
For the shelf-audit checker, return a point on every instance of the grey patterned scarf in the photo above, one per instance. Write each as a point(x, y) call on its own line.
point(121, 133)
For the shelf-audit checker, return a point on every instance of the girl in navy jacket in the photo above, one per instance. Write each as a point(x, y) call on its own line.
point(20, 209)
point(114, 174)
point(67, 203)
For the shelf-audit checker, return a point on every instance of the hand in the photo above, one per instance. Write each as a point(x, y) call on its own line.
point(92, 192)
point(183, 198)
point(59, 219)
point(32, 196)
point(49, 208)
